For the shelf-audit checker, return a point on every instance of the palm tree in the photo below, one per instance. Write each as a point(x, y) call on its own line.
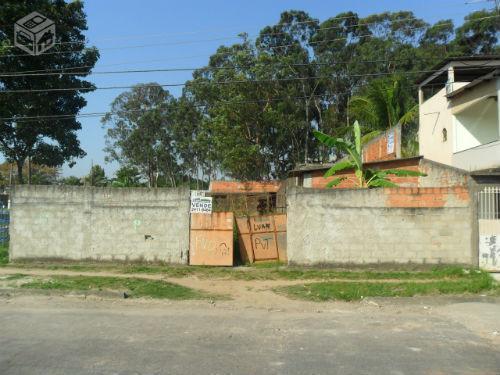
point(367, 177)
point(385, 103)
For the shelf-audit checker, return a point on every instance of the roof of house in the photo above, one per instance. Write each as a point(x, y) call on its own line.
point(468, 72)
point(324, 166)
point(487, 172)
point(487, 77)
point(244, 186)
point(387, 164)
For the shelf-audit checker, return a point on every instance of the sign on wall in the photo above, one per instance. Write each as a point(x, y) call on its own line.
point(198, 193)
point(201, 205)
point(390, 142)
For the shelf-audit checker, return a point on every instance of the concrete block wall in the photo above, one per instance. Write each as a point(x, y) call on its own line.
point(436, 175)
point(364, 226)
point(124, 224)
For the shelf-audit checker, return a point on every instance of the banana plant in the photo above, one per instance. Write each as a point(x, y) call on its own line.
point(366, 177)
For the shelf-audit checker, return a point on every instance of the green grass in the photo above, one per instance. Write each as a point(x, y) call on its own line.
point(267, 271)
point(16, 276)
point(4, 254)
point(349, 291)
point(135, 287)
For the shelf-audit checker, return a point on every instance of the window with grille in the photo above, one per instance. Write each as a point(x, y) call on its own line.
point(489, 203)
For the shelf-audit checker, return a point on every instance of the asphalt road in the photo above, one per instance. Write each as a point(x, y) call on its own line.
point(69, 335)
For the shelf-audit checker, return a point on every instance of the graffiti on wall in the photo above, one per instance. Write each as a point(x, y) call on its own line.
point(489, 251)
point(211, 241)
point(262, 237)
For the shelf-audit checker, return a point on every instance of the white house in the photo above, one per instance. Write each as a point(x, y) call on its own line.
point(459, 113)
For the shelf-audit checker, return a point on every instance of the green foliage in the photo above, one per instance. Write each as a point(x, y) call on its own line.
point(150, 130)
point(384, 103)
point(133, 286)
point(96, 177)
point(260, 130)
point(367, 177)
point(127, 177)
point(478, 37)
point(50, 142)
point(4, 254)
point(71, 181)
point(350, 291)
point(40, 174)
point(272, 271)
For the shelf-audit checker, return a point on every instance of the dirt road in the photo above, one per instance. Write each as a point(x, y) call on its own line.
point(255, 332)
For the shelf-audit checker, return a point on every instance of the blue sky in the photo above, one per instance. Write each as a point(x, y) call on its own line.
point(117, 23)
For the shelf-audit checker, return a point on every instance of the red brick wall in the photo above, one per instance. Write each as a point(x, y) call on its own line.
point(244, 187)
point(319, 182)
point(376, 149)
point(425, 197)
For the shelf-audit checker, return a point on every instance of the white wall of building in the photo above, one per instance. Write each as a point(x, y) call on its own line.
point(434, 116)
point(476, 125)
point(463, 131)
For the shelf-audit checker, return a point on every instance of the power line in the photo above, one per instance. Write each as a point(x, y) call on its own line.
point(90, 89)
point(99, 114)
point(257, 35)
point(126, 71)
point(271, 47)
point(260, 34)
point(186, 57)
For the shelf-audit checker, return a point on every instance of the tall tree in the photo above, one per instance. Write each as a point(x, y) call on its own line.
point(48, 141)
point(96, 177)
point(41, 174)
point(479, 34)
point(140, 132)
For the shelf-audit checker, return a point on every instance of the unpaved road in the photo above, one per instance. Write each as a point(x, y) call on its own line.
point(93, 335)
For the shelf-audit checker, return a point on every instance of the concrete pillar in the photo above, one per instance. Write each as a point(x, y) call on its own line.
point(498, 104)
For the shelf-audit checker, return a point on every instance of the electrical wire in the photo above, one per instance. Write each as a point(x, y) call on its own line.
point(270, 47)
point(25, 91)
point(208, 68)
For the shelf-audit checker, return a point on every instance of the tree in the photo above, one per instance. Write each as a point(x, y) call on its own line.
point(41, 174)
point(96, 177)
point(479, 34)
point(127, 177)
point(140, 132)
point(71, 181)
point(47, 141)
point(367, 177)
point(384, 103)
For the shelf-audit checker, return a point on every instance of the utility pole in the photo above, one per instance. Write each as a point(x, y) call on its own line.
point(91, 172)
point(10, 173)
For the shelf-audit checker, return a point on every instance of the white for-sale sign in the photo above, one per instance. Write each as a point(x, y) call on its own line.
point(201, 205)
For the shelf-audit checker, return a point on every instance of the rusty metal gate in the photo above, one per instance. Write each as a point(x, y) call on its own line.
point(489, 228)
point(211, 239)
point(262, 237)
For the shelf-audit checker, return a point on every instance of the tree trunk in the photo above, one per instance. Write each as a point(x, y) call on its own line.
point(20, 179)
point(29, 170)
point(306, 143)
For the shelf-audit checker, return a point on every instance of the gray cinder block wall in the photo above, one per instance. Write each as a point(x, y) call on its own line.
point(125, 224)
point(356, 226)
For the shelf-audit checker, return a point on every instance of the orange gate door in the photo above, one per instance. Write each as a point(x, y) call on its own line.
point(211, 239)
point(262, 237)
